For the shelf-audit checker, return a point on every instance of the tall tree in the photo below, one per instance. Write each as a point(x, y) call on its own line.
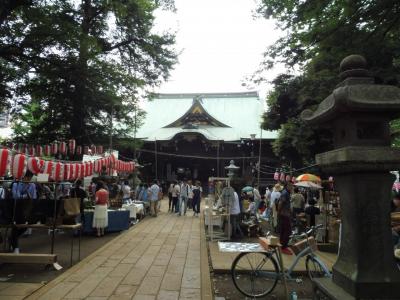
point(75, 63)
point(319, 35)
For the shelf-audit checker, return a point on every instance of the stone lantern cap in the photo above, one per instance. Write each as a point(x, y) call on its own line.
point(358, 94)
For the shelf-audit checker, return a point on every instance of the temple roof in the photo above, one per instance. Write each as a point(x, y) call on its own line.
point(221, 116)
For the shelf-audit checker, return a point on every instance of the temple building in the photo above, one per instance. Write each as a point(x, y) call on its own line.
point(195, 136)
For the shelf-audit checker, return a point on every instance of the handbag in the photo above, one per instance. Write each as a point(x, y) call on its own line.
point(72, 206)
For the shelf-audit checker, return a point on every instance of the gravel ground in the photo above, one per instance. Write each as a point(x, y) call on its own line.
point(225, 289)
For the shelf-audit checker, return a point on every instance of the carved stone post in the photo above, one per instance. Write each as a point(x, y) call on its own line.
point(358, 112)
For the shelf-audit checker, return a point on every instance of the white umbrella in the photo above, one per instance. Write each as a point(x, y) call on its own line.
point(308, 184)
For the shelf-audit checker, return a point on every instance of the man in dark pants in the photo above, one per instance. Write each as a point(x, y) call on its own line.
point(284, 214)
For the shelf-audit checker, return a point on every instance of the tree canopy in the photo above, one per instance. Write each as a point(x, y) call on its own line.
point(318, 35)
point(66, 66)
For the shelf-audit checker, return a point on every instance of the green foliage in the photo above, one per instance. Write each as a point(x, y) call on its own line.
point(319, 35)
point(67, 65)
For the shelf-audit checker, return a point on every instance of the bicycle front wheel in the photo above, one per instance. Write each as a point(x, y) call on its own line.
point(314, 268)
point(255, 274)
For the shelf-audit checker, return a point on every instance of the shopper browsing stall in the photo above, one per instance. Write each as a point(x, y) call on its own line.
point(100, 218)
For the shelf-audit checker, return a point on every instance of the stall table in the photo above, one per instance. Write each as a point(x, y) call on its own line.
point(118, 220)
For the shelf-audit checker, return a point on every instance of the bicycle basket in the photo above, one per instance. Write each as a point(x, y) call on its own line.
point(300, 246)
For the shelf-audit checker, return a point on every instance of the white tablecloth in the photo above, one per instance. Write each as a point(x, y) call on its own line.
point(134, 209)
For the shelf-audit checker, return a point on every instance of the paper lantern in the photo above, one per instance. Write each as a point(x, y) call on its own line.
point(39, 150)
point(24, 149)
point(71, 146)
point(86, 150)
point(133, 166)
point(76, 171)
point(99, 150)
point(282, 177)
point(54, 148)
point(97, 166)
point(67, 171)
point(276, 175)
point(18, 166)
point(287, 178)
point(47, 150)
point(63, 148)
point(93, 148)
point(58, 172)
point(35, 165)
point(79, 150)
point(31, 150)
point(82, 170)
point(5, 161)
point(47, 167)
point(294, 179)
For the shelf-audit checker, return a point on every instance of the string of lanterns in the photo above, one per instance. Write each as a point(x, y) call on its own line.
point(16, 164)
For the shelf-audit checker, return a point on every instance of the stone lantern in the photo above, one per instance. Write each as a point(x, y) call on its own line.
point(358, 113)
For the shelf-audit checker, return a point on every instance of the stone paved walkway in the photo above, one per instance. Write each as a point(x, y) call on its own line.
point(159, 258)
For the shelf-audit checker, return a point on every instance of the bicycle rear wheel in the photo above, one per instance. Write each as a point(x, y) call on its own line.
point(314, 268)
point(255, 274)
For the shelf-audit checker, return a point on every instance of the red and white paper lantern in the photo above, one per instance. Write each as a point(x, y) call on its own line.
point(58, 172)
point(35, 165)
point(54, 148)
point(47, 150)
point(5, 161)
point(31, 150)
point(71, 146)
point(18, 166)
point(48, 167)
point(39, 150)
point(63, 148)
point(88, 168)
point(287, 179)
point(79, 150)
point(67, 171)
point(97, 166)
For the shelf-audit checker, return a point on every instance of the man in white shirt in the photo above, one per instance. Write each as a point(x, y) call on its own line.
point(235, 217)
point(154, 190)
point(126, 192)
point(183, 199)
point(275, 195)
point(175, 196)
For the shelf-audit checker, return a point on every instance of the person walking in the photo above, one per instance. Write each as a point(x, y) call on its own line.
point(190, 194)
point(154, 191)
point(235, 214)
point(297, 201)
point(170, 199)
point(197, 191)
point(183, 198)
point(256, 198)
point(274, 199)
point(175, 197)
point(100, 216)
point(284, 214)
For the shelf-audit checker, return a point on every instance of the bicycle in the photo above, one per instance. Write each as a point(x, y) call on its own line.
point(256, 274)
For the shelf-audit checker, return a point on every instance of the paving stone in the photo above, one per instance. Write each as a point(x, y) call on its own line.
point(171, 282)
point(106, 287)
point(19, 289)
point(121, 270)
point(144, 297)
point(156, 271)
point(59, 291)
point(190, 294)
point(191, 278)
point(135, 276)
point(125, 290)
point(149, 285)
point(167, 295)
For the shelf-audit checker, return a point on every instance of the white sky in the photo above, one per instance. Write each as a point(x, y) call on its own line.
point(221, 42)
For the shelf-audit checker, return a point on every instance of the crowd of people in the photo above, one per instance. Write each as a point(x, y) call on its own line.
point(284, 206)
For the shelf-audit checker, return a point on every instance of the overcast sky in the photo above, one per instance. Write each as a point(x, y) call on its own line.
point(221, 42)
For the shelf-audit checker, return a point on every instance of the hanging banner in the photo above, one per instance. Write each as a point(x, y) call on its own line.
point(18, 166)
point(5, 161)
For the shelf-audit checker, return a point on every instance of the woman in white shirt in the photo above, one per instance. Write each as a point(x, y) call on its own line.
point(126, 192)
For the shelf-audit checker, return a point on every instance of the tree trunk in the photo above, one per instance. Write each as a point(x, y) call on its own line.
point(79, 101)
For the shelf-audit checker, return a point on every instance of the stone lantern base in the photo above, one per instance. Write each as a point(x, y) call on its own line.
point(326, 289)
